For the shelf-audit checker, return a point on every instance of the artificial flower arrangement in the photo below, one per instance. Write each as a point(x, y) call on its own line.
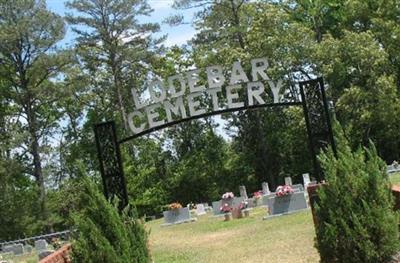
point(283, 190)
point(257, 195)
point(225, 208)
point(243, 205)
point(174, 206)
point(228, 195)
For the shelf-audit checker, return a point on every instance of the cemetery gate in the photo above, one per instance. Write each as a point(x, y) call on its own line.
point(316, 113)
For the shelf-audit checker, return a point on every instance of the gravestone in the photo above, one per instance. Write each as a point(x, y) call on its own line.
point(207, 207)
point(16, 249)
point(288, 180)
point(177, 216)
point(200, 209)
point(8, 249)
point(265, 188)
point(393, 168)
point(251, 202)
point(243, 192)
point(298, 188)
point(286, 204)
point(216, 207)
point(28, 248)
point(266, 197)
point(235, 202)
point(40, 245)
point(232, 202)
point(306, 180)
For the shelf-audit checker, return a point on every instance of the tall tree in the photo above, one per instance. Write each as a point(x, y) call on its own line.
point(28, 36)
point(227, 26)
point(111, 39)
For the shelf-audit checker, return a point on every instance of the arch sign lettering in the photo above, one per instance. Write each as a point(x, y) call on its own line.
point(183, 95)
point(205, 92)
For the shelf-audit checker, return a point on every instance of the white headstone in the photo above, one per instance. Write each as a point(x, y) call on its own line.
point(200, 209)
point(306, 180)
point(243, 192)
point(288, 180)
point(265, 188)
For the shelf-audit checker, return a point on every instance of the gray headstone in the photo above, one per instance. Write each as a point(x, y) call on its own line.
point(266, 197)
point(298, 188)
point(200, 209)
point(28, 248)
point(232, 202)
point(40, 245)
point(243, 192)
point(8, 248)
point(237, 201)
point(306, 180)
point(45, 253)
point(265, 188)
point(287, 204)
point(216, 206)
point(393, 168)
point(288, 180)
point(16, 249)
point(177, 216)
point(251, 202)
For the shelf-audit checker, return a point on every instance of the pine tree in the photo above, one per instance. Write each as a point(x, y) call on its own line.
point(103, 234)
point(355, 212)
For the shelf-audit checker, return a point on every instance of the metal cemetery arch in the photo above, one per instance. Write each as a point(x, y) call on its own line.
point(315, 107)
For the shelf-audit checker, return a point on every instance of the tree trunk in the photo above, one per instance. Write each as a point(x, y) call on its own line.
point(236, 22)
point(118, 89)
point(37, 164)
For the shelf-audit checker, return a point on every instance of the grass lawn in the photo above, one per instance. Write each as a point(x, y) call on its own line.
point(287, 238)
point(27, 258)
point(395, 178)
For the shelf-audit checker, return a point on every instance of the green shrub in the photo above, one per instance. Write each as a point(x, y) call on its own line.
point(356, 218)
point(103, 234)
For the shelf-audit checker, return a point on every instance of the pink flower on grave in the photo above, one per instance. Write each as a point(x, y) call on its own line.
point(225, 208)
point(283, 190)
point(257, 195)
point(228, 195)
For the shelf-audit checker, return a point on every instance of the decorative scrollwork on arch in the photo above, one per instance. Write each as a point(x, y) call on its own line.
point(317, 119)
point(110, 162)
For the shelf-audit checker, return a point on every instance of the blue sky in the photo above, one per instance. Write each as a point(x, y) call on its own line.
point(162, 9)
point(175, 35)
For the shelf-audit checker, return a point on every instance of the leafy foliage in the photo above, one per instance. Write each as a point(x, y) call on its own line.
point(355, 212)
point(104, 235)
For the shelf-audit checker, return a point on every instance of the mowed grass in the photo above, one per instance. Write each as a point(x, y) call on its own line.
point(27, 258)
point(288, 238)
point(395, 178)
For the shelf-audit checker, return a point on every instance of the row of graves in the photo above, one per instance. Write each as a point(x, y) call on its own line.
point(42, 246)
point(286, 199)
